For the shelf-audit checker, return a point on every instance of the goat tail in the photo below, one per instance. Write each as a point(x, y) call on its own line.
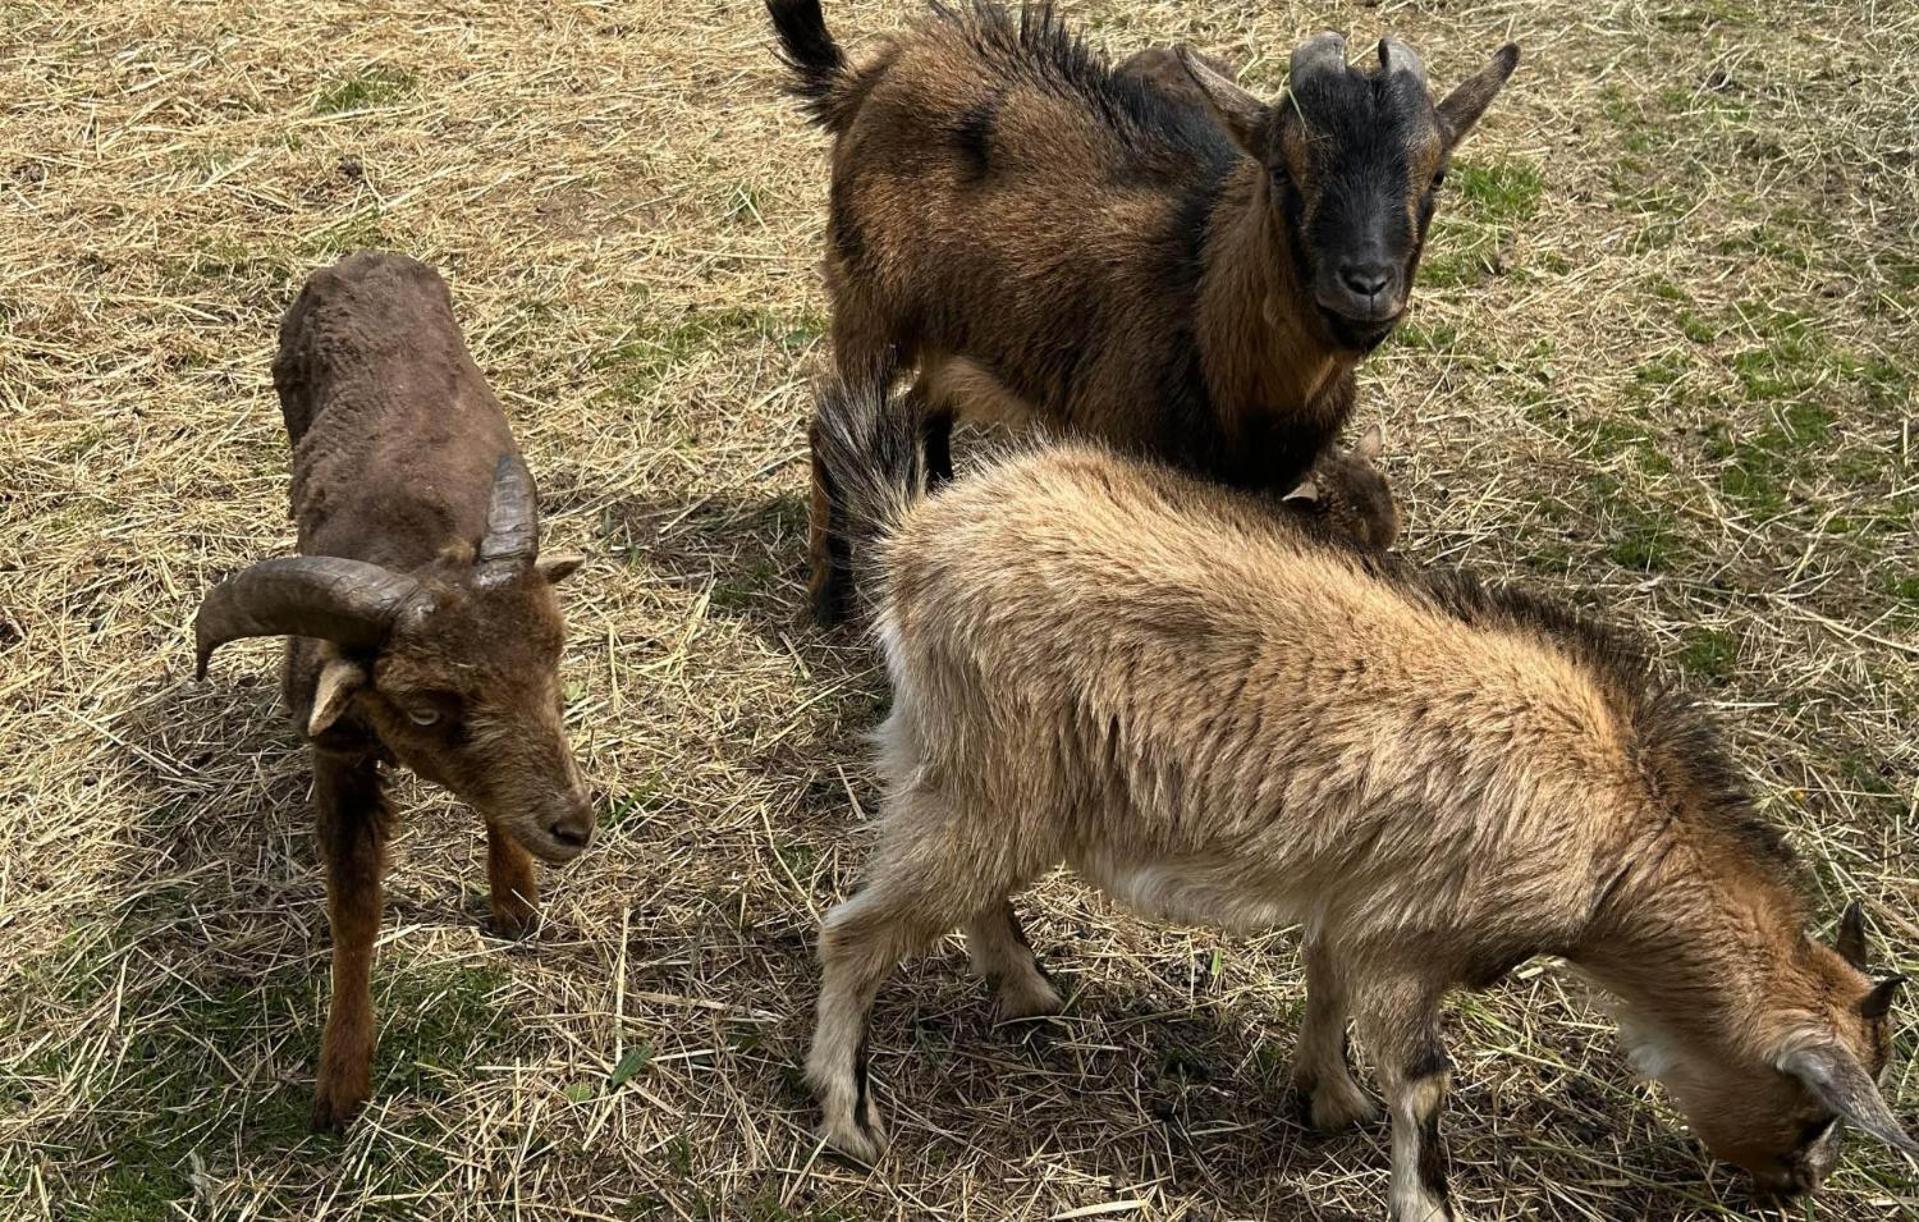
point(821, 73)
point(869, 447)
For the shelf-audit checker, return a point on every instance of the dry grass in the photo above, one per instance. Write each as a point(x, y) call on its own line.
point(1662, 362)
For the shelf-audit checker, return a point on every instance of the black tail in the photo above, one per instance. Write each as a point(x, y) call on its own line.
point(816, 60)
point(870, 445)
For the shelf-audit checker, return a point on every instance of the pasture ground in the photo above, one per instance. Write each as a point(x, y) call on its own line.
point(1661, 361)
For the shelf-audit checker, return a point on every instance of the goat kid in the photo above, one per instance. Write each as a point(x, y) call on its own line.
point(1346, 497)
point(422, 623)
point(1438, 780)
point(1051, 240)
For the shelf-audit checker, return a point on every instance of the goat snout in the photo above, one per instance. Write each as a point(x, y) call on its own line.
point(574, 832)
point(1367, 280)
point(560, 832)
point(1367, 291)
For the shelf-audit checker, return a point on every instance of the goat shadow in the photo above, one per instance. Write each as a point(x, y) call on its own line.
point(218, 945)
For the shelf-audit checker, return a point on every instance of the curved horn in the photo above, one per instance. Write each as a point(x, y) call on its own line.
point(348, 602)
point(1323, 52)
point(1838, 1081)
point(512, 517)
point(1396, 56)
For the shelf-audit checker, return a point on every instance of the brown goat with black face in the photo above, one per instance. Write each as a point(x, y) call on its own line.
point(1051, 240)
point(422, 622)
point(1436, 779)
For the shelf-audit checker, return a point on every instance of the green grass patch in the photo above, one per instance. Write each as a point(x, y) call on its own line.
point(1440, 337)
point(1499, 192)
point(437, 1021)
point(360, 230)
point(1463, 247)
point(657, 346)
point(1708, 653)
point(374, 87)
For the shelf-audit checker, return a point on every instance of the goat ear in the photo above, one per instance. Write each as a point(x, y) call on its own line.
point(1851, 942)
point(1245, 116)
point(340, 680)
point(1305, 492)
point(1469, 99)
point(558, 568)
point(1837, 1079)
point(1878, 1003)
point(1373, 444)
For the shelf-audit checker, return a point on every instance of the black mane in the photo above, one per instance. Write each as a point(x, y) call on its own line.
point(1038, 48)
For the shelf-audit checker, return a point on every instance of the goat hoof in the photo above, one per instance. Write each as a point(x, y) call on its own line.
point(828, 602)
point(514, 921)
point(333, 1113)
point(863, 1144)
point(1035, 998)
point(1335, 1108)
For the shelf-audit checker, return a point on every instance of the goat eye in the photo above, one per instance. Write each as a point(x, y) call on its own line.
point(423, 717)
point(1439, 180)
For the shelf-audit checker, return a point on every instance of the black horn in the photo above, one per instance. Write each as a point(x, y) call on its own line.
point(348, 602)
point(512, 518)
point(1324, 52)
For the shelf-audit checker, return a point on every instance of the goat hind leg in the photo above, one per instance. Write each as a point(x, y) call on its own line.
point(918, 889)
point(1401, 1029)
point(1322, 1071)
point(1000, 952)
point(829, 587)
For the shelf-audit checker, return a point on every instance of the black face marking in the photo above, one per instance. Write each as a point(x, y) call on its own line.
point(1359, 222)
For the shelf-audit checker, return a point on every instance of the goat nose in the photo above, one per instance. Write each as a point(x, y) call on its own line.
point(1366, 279)
point(575, 832)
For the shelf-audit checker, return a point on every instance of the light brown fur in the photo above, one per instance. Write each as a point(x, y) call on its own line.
point(1436, 781)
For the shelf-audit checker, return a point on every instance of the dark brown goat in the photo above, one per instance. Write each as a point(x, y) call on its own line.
point(422, 622)
point(1049, 239)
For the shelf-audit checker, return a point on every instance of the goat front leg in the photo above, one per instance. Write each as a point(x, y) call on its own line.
point(1400, 1026)
point(511, 887)
point(1321, 1069)
point(353, 827)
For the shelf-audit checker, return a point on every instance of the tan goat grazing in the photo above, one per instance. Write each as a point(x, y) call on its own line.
point(1188, 273)
point(1437, 779)
point(421, 618)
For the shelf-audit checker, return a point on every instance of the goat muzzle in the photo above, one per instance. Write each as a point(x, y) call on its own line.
point(349, 602)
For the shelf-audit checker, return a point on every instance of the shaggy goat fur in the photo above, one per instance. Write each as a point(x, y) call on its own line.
point(1436, 778)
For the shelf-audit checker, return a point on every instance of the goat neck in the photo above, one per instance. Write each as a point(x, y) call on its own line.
point(1258, 347)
